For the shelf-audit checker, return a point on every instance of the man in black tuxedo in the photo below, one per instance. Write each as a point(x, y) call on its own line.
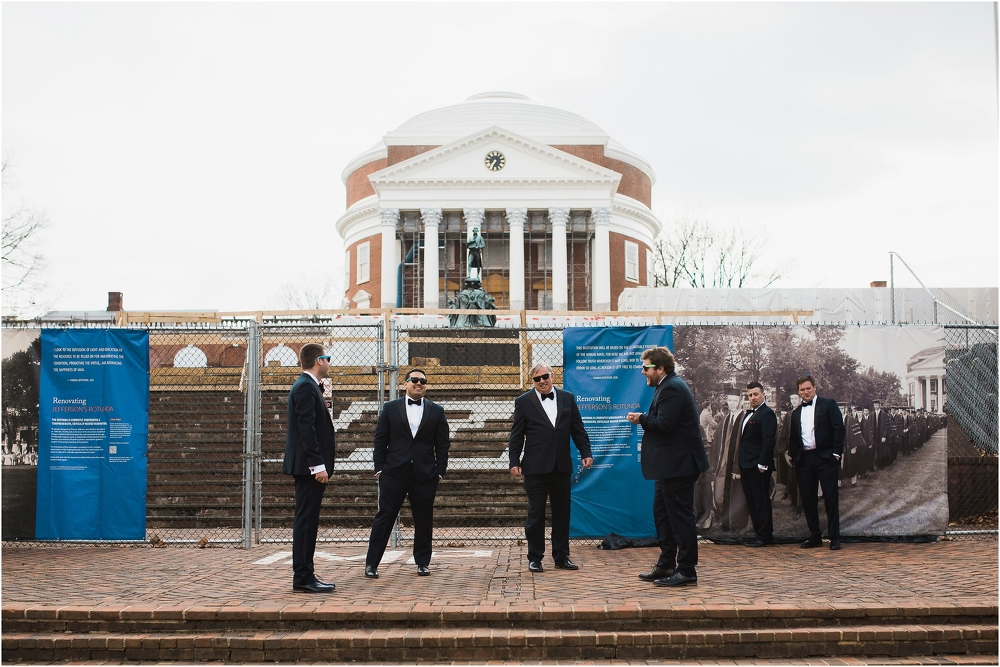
point(309, 451)
point(757, 440)
point(816, 445)
point(673, 455)
point(544, 420)
point(411, 457)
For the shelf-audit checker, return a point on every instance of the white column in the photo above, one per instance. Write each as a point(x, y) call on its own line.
point(601, 269)
point(432, 219)
point(516, 218)
point(559, 217)
point(390, 263)
point(474, 217)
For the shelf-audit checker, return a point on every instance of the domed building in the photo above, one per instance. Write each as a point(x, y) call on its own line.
point(562, 208)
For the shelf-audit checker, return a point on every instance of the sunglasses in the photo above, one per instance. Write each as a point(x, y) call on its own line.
point(417, 380)
point(645, 366)
point(539, 378)
point(325, 356)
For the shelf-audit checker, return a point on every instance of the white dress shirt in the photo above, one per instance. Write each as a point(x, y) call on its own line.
point(414, 413)
point(320, 468)
point(808, 417)
point(549, 405)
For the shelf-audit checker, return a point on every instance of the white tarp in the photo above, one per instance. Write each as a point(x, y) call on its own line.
point(828, 305)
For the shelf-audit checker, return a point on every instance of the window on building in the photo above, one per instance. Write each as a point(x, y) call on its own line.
point(631, 261)
point(650, 277)
point(364, 263)
point(190, 357)
point(934, 386)
point(281, 355)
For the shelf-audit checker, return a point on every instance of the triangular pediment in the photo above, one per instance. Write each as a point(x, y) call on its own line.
point(524, 161)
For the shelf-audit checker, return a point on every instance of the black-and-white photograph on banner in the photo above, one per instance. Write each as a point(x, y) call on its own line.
point(890, 385)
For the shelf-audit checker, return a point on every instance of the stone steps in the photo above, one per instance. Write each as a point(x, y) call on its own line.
point(486, 643)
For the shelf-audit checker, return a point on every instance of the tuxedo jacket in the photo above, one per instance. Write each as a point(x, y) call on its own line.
point(535, 444)
point(671, 439)
point(309, 441)
point(396, 447)
point(829, 425)
point(758, 438)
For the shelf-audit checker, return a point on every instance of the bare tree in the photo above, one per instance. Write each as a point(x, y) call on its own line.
point(692, 252)
point(310, 292)
point(23, 262)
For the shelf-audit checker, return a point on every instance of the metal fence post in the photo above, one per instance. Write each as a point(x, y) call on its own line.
point(393, 383)
point(251, 467)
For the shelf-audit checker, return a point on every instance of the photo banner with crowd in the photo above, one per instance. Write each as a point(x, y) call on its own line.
point(888, 382)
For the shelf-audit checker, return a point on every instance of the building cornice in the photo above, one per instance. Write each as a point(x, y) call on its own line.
point(376, 152)
point(361, 209)
point(635, 209)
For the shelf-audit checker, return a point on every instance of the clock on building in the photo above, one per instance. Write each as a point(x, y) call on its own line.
point(495, 161)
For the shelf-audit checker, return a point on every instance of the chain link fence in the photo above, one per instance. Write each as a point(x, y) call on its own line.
point(218, 415)
point(354, 393)
point(971, 405)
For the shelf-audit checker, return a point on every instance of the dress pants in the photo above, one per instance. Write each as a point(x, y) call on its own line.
point(308, 500)
point(391, 493)
point(813, 470)
point(555, 485)
point(673, 514)
point(757, 489)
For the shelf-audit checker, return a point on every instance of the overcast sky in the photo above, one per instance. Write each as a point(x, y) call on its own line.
point(189, 155)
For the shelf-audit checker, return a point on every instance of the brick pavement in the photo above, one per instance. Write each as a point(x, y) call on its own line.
point(942, 574)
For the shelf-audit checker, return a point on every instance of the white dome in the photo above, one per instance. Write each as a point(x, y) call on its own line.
point(510, 111)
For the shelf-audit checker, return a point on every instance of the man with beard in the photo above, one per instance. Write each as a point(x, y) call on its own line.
point(730, 504)
point(673, 455)
point(756, 461)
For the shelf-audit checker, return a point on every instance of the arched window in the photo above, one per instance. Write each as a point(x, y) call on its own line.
point(281, 356)
point(190, 357)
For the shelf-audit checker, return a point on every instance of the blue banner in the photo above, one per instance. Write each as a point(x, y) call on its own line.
point(93, 432)
point(602, 368)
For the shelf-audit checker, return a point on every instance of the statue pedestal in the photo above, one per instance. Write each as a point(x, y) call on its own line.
point(473, 297)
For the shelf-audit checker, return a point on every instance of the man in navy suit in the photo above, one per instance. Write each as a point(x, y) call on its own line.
point(544, 420)
point(309, 451)
point(759, 431)
point(411, 457)
point(816, 445)
point(673, 454)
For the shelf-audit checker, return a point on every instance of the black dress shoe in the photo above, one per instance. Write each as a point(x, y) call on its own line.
point(657, 573)
point(834, 545)
point(812, 543)
point(677, 579)
point(566, 565)
point(371, 572)
point(324, 583)
point(535, 566)
point(423, 571)
point(759, 543)
point(314, 587)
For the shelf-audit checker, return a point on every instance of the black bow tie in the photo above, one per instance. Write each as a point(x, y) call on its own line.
point(807, 404)
point(551, 395)
point(410, 401)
